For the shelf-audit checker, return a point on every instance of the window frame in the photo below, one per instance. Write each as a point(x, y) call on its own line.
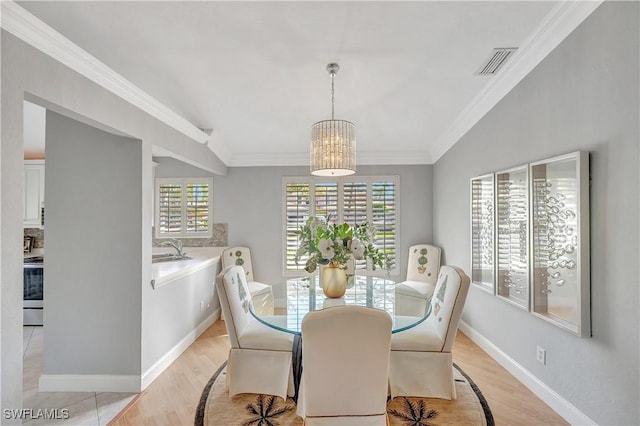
point(184, 182)
point(312, 181)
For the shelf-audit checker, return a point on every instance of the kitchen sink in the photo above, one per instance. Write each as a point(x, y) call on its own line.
point(167, 258)
point(161, 255)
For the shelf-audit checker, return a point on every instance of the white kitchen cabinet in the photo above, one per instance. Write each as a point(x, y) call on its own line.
point(33, 193)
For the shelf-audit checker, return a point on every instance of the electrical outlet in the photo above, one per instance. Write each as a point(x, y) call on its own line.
point(201, 305)
point(541, 355)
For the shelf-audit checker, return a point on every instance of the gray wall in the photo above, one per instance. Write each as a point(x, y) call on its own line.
point(583, 96)
point(84, 283)
point(171, 312)
point(249, 200)
point(93, 253)
point(28, 73)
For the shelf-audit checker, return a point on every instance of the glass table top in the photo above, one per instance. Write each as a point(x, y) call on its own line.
point(304, 294)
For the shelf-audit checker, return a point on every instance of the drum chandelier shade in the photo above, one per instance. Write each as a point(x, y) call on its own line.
point(333, 142)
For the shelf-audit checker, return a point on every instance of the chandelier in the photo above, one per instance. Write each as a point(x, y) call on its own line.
point(333, 142)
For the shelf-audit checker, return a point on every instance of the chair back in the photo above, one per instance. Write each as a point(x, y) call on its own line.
point(240, 256)
point(447, 304)
point(231, 285)
point(345, 357)
point(424, 263)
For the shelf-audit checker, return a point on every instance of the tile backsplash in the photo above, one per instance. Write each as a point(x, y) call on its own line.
point(38, 236)
point(219, 238)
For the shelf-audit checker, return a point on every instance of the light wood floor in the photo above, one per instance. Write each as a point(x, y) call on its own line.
point(173, 397)
point(511, 402)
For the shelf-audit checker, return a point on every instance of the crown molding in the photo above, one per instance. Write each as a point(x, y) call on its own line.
point(557, 25)
point(364, 158)
point(220, 149)
point(377, 158)
point(259, 159)
point(38, 34)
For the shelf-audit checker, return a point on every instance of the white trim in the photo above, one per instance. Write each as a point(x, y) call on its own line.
point(550, 397)
point(165, 361)
point(557, 25)
point(373, 158)
point(123, 383)
point(363, 158)
point(157, 151)
point(163, 280)
point(38, 34)
point(259, 159)
point(89, 383)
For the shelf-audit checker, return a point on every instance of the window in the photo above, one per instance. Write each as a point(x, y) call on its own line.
point(351, 200)
point(183, 208)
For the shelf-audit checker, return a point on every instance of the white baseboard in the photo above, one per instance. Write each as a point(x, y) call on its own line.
point(89, 383)
point(122, 383)
point(156, 369)
point(560, 405)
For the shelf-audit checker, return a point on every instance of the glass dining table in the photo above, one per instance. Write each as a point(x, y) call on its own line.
point(304, 294)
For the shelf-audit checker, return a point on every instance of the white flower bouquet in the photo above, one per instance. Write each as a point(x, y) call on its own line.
point(337, 245)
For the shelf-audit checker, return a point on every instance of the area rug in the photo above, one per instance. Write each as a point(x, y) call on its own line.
point(216, 408)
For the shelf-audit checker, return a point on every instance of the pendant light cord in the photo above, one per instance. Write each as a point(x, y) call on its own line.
point(333, 75)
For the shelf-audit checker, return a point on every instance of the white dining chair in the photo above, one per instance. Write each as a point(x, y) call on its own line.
point(421, 362)
point(261, 293)
point(413, 294)
point(345, 364)
point(260, 356)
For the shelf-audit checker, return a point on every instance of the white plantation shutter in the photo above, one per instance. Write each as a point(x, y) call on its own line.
point(183, 208)
point(353, 201)
point(197, 207)
point(383, 216)
point(297, 210)
point(169, 208)
point(354, 208)
point(326, 200)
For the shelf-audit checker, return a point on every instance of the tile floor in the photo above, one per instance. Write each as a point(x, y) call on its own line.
point(84, 408)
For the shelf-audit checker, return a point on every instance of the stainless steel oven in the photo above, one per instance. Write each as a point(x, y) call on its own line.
point(33, 291)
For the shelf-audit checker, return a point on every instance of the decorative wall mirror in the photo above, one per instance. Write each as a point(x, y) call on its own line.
point(512, 220)
point(560, 241)
point(482, 232)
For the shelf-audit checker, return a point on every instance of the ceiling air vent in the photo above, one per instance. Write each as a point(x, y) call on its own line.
point(495, 61)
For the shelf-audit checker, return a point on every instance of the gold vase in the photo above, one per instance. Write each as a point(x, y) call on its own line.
point(334, 280)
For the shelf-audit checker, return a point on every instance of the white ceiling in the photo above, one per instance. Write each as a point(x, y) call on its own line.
point(255, 71)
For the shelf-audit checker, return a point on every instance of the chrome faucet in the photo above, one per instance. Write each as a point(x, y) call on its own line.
point(176, 244)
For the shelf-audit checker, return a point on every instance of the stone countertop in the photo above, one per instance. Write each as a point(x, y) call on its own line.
point(34, 253)
point(166, 272)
